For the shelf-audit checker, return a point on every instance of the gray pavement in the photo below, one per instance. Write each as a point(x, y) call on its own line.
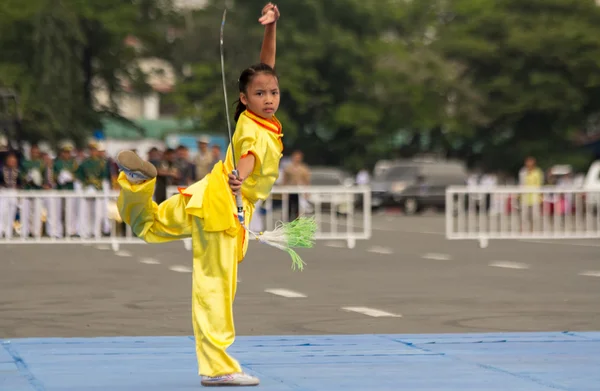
point(408, 269)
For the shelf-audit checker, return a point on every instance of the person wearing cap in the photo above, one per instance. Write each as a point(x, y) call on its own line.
point(204, 160)
point(93, 170)
point(92, 173)
point(32, 171)
point(64, 169)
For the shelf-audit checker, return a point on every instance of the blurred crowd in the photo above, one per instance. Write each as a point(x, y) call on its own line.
point(69, 168)
point(530, 175)
point(88, 173)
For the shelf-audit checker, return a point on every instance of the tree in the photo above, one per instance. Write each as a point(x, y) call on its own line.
point(345, 90)
point(55, 53)
point(537, 63)
point(476, 80)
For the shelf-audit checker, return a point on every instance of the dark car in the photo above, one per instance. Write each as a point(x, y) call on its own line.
point(415, 185)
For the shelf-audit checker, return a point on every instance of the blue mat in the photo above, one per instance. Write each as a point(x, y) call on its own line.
point(478, 362)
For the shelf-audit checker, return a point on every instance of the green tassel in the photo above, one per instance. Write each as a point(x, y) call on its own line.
point(301, 232)
point(297, 262)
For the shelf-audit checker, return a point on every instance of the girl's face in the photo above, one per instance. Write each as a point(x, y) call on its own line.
point(262, 95)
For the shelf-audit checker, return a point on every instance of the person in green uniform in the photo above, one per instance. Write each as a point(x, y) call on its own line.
point(93, 170)
point(64, 170)
point(93, 173)
point(32, 171)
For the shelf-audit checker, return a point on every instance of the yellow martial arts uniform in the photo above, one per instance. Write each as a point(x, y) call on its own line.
point(206, 212)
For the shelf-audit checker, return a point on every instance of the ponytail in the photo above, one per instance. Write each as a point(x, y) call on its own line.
point(239, 109)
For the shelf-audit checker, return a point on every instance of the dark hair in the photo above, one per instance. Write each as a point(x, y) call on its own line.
point(245, 79)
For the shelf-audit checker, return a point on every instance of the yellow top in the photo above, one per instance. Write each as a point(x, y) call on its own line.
point(262, 138)
point(212, 199)
point(533, 178)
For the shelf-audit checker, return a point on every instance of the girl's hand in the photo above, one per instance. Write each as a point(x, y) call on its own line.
point(234, 183)
point(270, 14)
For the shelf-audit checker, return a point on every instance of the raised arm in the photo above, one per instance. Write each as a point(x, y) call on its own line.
point(270, 14)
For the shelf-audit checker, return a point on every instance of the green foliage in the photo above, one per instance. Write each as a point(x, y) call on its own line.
point(54, 52)
point(346, 71)
point(538, 65)
point(481, 80)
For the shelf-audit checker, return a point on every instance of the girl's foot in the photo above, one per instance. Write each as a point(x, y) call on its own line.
point(136, 169)
point(234, 380)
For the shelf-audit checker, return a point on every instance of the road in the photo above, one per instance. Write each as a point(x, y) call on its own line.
point(407, 279)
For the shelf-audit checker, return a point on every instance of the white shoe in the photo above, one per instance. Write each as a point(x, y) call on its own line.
point(135, 168)
point(234, 380)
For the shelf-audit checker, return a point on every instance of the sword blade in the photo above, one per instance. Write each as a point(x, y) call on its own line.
point(225, 87)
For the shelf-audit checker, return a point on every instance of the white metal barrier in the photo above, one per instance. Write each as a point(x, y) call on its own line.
point(63, 217)
point(342, 213)
point(521, 213)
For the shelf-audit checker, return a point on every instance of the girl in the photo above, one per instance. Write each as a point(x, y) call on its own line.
point(205, 211)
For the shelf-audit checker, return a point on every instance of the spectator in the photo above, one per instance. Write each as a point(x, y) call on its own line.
point(33, 169)
point(296, 174)
point(167, 175)
point(216, 154)
point(531, 176)
point(94, 174)
point(94, 170)
point(64, 169)
point(154, 156)
point(185, 168)
point(203, 159)
point(33, 179)
point(10, 179)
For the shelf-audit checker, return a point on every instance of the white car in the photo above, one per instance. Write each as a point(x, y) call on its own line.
point(591, 183)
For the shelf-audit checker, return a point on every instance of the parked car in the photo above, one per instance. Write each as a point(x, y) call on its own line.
point(591, 184)
point(416, 185)
point(329, 176)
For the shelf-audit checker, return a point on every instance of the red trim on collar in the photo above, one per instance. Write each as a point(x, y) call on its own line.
point(181, 191)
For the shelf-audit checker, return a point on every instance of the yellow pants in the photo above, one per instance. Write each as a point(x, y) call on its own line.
point(216, 256)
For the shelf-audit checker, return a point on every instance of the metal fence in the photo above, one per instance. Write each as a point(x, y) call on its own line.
point(342, 213)
point(62, 217)
point(71, 217)
point(521, 213)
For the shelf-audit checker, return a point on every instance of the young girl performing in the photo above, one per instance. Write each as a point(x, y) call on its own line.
point(205, 211)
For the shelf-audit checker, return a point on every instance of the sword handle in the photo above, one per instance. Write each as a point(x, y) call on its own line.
point(238, 201)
